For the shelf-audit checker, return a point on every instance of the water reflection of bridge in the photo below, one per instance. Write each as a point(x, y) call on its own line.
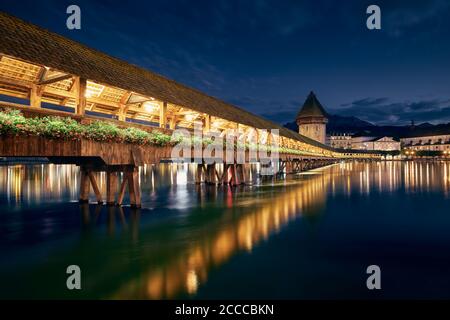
point(133, 254)
point(242, 226)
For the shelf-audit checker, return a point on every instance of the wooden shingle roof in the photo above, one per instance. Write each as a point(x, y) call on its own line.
point(312, 108)
point(39, 46)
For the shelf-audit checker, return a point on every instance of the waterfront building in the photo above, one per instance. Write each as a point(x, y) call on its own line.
point(440, 142)
point(375, 143)
point(340, 141)
point(362, 142)
point(312, 119)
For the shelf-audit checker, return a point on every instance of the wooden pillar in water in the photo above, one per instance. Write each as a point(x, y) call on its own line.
point(198, 174)
point(211, 173)
point(226, 174)
point(111, 188)
point(84, 186)
point(289, 166)
point(95, 187)
point(130, 178)
point(122, 189)
point(240, 174)
point(237, 174)
point(134, 188)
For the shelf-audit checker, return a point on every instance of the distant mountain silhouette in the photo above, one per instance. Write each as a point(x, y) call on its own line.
point(355, 126)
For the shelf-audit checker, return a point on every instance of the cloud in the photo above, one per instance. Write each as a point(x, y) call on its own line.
point(366, 102)
point(386, 112)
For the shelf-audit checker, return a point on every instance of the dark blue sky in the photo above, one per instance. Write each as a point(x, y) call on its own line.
point(265, 56)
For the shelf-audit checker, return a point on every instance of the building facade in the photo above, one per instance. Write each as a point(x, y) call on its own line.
point(375, 143)
point(340, 141)
point(427, 143)
point(312, 119)
point(386, 144)
point(348, 142)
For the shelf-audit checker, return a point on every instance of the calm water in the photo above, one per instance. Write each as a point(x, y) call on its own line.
point(309, 236)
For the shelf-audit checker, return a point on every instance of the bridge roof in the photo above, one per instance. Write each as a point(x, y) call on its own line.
point(37, 45)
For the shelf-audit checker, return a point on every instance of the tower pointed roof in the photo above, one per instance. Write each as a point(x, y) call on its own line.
point(312, 108)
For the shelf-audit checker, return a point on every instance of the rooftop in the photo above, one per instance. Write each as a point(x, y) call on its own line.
point(312, 108)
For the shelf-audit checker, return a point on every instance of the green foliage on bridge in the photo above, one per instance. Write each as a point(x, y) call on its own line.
point(12, 122)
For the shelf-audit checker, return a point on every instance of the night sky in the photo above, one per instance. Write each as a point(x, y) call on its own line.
point(265, 56)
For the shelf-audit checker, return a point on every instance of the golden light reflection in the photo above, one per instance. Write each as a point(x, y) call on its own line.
point(243, 224)
point(239, 234)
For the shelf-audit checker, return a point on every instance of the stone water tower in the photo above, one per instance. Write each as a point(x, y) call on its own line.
point(312, 119)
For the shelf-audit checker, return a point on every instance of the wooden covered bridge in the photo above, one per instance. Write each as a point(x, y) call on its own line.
point(43, 73)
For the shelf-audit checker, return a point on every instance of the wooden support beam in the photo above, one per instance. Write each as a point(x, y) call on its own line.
point(226, 174)
point(198, 175)
point(218, 177)
point(55, 79)
point(134, 188)
point(35, 96)
point(80, 95)
point(123, 112)
point(122, 189)
point(241, 173)
point(111, 188)
point(163, 115)
point(84, 186)
point(234, 178)
point(125, 97)
point(95, 187)
point(207, 123)
point(41, 74)
point(173, 122)
point(211, 174)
